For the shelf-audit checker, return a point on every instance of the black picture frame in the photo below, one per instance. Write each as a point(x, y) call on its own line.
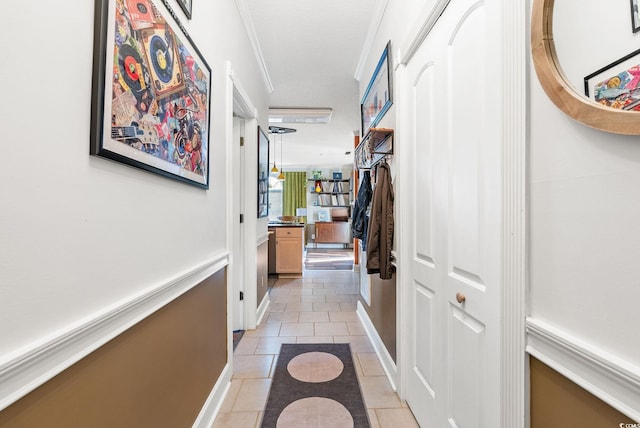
point(378, 97)
point(635, 15)
point(616, 85)
point(263, 173)
point(186, 6)
point(151, 102)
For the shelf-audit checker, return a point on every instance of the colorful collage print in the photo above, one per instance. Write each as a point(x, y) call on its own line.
point(621, 91)
point(160, 96)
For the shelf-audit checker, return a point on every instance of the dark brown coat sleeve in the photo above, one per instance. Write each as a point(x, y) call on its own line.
point(381, 225)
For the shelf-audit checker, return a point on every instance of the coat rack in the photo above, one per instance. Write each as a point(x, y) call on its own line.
point(375, 147)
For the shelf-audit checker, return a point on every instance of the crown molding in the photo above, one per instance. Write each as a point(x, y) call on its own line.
point(245, 16)
point(372, 32)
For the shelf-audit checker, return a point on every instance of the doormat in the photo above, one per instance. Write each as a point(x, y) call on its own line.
point(328, 259)
point(315, 385)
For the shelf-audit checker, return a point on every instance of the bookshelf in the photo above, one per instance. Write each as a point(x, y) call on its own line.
point(333, 192)
point(329, 205)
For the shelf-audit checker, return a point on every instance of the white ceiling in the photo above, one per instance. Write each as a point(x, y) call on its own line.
point(311, 50)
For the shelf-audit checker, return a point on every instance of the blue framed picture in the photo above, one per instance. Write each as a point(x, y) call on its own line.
point(377, 98)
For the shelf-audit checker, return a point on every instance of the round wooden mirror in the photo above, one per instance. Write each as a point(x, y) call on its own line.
point(563, 94)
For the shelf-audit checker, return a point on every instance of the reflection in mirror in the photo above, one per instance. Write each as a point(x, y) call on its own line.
point(573, 40)
point(589, 36)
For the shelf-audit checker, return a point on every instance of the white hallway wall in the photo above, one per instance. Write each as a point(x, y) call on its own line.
point(584, 235)
point(81, 234)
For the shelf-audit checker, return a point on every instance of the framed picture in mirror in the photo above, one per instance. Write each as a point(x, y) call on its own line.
point(186, 6)
point(635, 16)
point(616, 85)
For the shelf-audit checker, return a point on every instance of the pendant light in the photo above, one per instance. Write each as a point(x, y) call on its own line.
point(279, 131)
point(274, 170)
point(281, 176)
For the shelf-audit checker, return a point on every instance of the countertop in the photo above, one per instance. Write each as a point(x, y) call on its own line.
point(286, 224)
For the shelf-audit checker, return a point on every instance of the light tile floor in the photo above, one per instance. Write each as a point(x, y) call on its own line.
point(318, 308)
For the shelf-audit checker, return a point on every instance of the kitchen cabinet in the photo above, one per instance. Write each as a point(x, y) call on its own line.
point(288, 250)
point(334, 232)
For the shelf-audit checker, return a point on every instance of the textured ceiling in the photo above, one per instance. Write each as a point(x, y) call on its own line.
point(311, 50)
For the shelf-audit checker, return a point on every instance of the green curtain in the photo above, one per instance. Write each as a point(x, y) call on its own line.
point(294, 192)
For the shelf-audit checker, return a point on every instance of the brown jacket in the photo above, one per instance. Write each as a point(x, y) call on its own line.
point(380, 236)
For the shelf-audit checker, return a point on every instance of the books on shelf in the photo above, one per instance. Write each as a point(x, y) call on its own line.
point(335, 200)
point(332, 192)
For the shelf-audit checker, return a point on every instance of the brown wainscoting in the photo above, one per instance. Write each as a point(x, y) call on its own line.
point(158, 373)
point(262, 271)
point(382, 311)
point(558, 402)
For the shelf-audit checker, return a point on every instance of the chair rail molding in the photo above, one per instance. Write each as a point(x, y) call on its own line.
point(611, 379)
point(26, 369)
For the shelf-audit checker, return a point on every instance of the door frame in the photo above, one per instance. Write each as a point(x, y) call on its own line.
point(511, 21)
point(239, 105)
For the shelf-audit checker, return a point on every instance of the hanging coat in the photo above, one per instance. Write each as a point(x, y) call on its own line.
point(359, 219)
point(380, 235)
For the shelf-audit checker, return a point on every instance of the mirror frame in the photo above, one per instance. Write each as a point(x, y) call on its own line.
point(561, 93)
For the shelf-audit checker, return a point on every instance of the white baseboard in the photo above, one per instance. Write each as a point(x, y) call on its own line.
point(26, 369)
point(390, 368)
point(614, 381)
point(212, 406)
point(262, 309)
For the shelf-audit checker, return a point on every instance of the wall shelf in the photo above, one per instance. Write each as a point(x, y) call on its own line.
point(376, 146)
point(330, 193)
point(335, 192)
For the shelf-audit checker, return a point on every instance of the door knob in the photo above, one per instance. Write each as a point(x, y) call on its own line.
point(460, 297)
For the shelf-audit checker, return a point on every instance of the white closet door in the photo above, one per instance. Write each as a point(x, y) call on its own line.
point(454, 242)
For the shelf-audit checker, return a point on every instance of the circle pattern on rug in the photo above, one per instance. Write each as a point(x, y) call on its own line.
point(315, 367)
point(315, 412)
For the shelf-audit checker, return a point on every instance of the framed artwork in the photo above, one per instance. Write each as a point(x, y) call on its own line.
point(151, 91)
point(635, 16)
point(185, 5)
point(617, 85)
point(377, 98)
point(263, 173)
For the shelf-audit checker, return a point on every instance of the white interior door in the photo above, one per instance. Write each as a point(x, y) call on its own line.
point(453, 376)
point(424, 320)
point(238, 228)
